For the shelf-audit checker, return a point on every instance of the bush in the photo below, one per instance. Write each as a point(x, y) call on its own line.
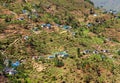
point(119, 52)
point(78, 65)
point(58, 63)
point(87, 79)
point(56, 20)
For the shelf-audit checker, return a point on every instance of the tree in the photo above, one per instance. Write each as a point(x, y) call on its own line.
point(87, 79)
point(119, 52)
point(58, 63)
point(78, 53)
point(8, 19)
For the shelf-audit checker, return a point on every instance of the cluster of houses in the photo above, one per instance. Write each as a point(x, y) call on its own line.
point(49, 26)
point(95, 51)
point(10, 67)
point(62, 54)
point(101, 52)
point(111, 11)
point(29, 13)
point(52, 27)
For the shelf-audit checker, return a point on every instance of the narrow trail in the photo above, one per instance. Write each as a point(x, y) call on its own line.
point(14, 42)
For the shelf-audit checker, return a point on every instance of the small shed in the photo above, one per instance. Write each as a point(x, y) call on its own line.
point(95, 52)
point(9, 71)
point(26, 37)
point(25, 11)
point(48, 26)
point(21, 18)
point(51, 57)
point(86, 51)
point(95, 15)
point(43, 25)
point(6, 62)
point(66, 27)
point(103, 57)
point(15, 64)
point(62, 54)
point(104, 51)
point(89, 25)
point(35, 29)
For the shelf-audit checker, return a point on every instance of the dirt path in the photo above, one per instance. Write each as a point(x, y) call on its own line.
point(14, 42)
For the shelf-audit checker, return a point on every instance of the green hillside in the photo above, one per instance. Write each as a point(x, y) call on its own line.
point(58, 41)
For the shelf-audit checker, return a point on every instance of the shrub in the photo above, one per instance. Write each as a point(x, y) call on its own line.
point(7, 19)
point(58, 63)
point(119, 52)
point(100, 80)
point(87, 79)
point(78, 65)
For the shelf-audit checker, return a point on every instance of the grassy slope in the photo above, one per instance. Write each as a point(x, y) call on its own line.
point(76, 69)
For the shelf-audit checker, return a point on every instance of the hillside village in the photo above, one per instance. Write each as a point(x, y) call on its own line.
point(58, 41)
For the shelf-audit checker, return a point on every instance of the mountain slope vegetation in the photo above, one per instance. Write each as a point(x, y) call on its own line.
point(58, 41)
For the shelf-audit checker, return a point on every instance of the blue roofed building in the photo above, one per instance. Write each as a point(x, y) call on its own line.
point(15, 64)
point(66, 27)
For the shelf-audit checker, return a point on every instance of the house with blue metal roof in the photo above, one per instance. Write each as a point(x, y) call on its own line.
point(15, 64)
point(48, 26)
point(66, 27)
